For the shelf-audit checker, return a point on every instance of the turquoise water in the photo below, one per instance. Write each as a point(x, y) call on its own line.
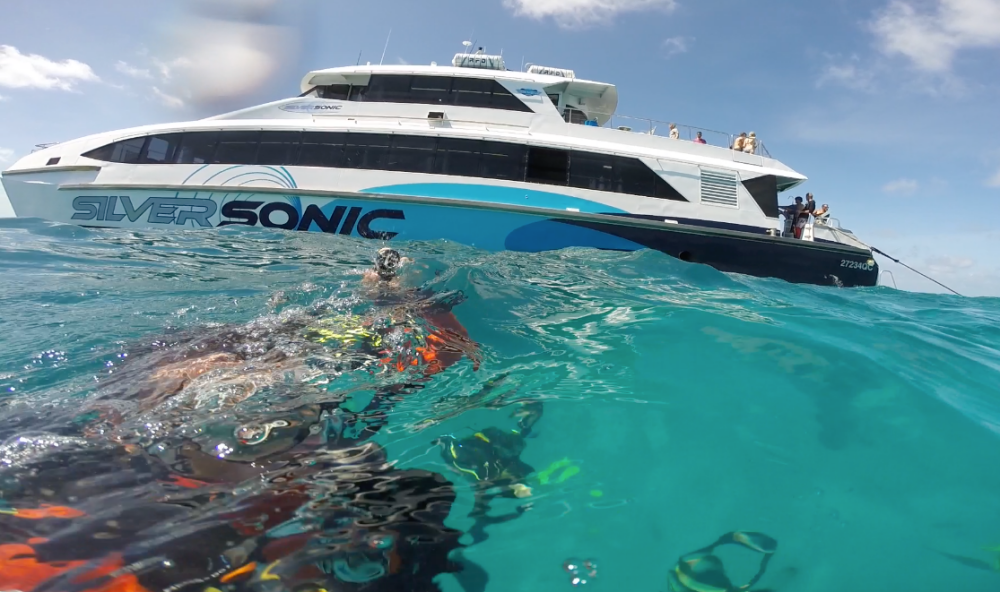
point(859, 428)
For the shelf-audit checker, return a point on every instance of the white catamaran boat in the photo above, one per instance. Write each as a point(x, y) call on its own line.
point(472, 153)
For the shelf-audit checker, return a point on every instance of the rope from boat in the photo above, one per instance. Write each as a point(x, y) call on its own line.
point(890, 257)
point(884, 254)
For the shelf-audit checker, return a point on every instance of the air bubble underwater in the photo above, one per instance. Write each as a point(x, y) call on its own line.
point(580, 573)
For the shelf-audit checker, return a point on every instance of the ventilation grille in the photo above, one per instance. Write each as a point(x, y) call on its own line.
point(718, 188)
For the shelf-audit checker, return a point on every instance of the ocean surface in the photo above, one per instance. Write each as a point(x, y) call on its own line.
point(857, 428)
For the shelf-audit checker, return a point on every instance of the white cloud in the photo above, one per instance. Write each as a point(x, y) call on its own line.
point(579, 13)
point(901, 187)
point(168, 68)
point(930, 39)
point(167, 99)
point(6, 154)
point(949, 264)
point(132, 71)
point(18, 70)
point(675, 45)
point(848, 73)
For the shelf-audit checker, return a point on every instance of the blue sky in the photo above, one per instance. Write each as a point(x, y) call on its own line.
point(888, 106)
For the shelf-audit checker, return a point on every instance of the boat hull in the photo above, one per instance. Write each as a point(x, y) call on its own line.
point(489, 226)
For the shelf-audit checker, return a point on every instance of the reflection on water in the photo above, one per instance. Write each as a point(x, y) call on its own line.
point(236, 410)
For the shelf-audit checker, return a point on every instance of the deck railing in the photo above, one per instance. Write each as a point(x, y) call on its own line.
point(656, 127)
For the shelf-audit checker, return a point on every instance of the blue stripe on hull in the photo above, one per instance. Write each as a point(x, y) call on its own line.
point(498, 195)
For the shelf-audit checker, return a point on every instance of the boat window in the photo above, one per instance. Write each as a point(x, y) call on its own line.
point(589, 170)
point(547, 165)
point(407, 153)
point(237, 147)
point(502, 160)
point(414, 154)
point(486, 93)
point(322, 149)
point(279, 148)
point(472, 92)
point(389, 89)
point(573, 115)
point(504, 99)
point(457, 157)
point(368, 151)
point(161, 149)
point(664, 190)
point(432, 90)
point(197, 148)
point(764, 191)
point(334, 91)
point(126, 151)
point(632, 176)
point(357, 93)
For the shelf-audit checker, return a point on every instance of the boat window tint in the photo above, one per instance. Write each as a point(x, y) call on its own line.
point(502, 160)
point(589, 170)
point(237, 147)
point(357, 93)
point(126, 151)
point(504, 99)
point(632, 176)
point(161, 149)
point(457, 157)
point(389, 89)
point(279, 148)
point(664, 190)
point(472, 92)
point(323, 149)
point(367, 151)
point(431, 90)
point(573, 115)
point(413, 154)
point(547, 165)
point(428, 90)
point(406, 153)
point(334, 91)
point(197, 148)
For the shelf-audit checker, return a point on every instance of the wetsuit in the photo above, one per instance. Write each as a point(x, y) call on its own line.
point(315, 514)
point(321, 508)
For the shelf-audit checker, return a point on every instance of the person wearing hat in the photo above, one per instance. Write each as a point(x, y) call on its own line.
point(750, 143)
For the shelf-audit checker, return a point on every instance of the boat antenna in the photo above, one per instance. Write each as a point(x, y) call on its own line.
point(386, 47)
point(884, 254)
point(359, 57)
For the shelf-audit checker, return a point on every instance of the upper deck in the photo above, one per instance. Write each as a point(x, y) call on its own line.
point(578, 100)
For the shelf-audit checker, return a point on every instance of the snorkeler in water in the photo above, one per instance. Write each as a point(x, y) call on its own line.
point(292, 503)
point(492, 459)
point(410, 335)
point(126, 513)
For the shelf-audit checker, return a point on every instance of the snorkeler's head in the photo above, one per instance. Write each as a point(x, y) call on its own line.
point(387, 262)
